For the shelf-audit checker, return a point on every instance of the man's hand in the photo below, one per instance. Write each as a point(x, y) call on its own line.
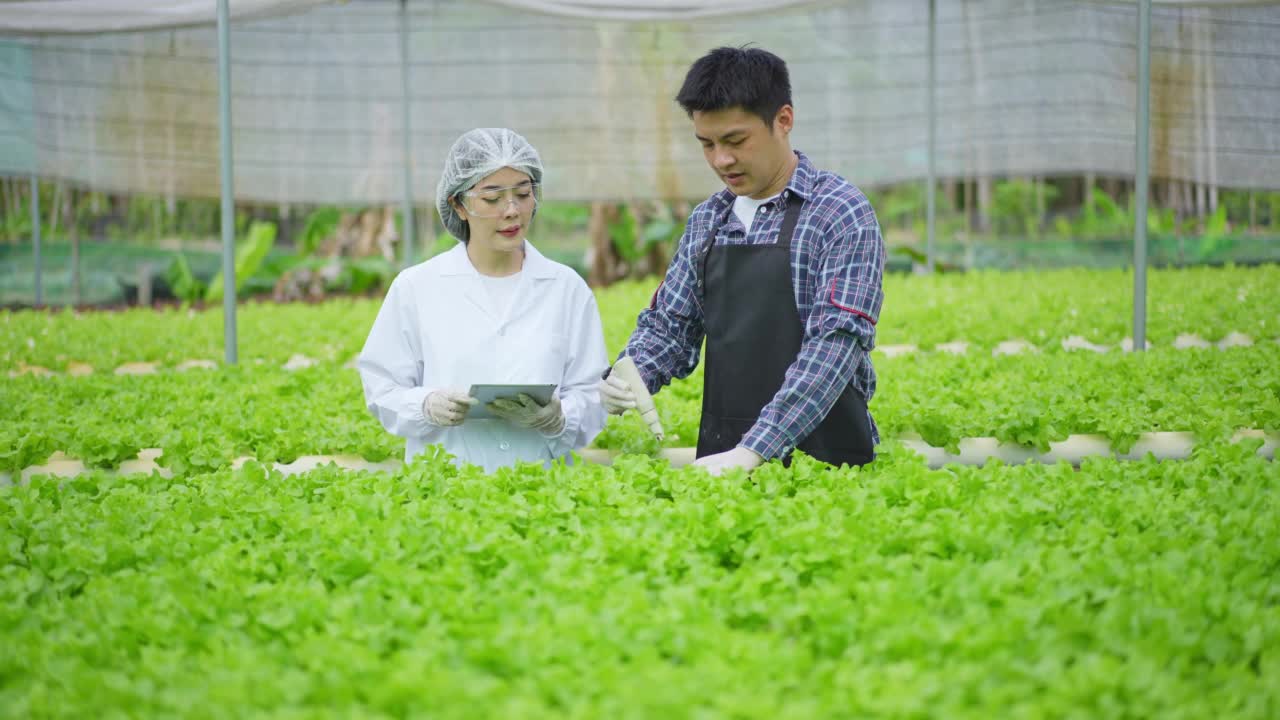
point(526, 412)
point(616, 395)
point(738, 457)
point(447, 408)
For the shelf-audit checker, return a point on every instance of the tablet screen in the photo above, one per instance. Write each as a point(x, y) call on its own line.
point(488, 393)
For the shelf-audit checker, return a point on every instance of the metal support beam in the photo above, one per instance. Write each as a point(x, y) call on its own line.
point(1142, 178)
point(410, 234)
point(228, 191)
point(931, 191)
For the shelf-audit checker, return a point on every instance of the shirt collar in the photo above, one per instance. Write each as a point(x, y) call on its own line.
point(801, 183)
point(456, 262)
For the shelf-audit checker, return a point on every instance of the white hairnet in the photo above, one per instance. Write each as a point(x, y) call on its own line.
point(476, 155)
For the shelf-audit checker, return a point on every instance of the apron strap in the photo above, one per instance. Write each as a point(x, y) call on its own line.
point(790, 220)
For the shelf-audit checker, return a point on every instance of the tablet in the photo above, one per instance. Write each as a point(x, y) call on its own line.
point(488, 393)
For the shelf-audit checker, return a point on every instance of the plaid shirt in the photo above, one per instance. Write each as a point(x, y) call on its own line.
point(837, 260)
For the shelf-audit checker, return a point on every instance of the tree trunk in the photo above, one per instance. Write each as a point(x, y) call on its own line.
point(73, 234)
point(604, 266)
point(1188, 203)
point(7, 199)
point(971, 204)
point(55, 210)
point(427, 234)
point(656, 260)
point(985, 186)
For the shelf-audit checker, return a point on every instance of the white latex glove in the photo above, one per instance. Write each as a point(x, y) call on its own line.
point(616, 395)
point(526, 412)
point(738, 457)
point(446, 408)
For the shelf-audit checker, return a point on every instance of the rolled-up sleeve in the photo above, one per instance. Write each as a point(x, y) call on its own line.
point(391, 367)
point(668, 334)
point(848, 292)
point(839, 332)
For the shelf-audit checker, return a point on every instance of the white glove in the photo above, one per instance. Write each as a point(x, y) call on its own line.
point(446, 408)
point(616, 395)
point(526, 412)
point(738, 457)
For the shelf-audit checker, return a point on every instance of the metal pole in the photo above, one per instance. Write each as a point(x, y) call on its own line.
point(228, 201)
point(1142, 179)
point(931, 192)
point(410, 239)
point(35, 239)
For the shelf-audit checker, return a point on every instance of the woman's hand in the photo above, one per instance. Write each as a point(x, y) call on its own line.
point(447, 408)
point(525, 412)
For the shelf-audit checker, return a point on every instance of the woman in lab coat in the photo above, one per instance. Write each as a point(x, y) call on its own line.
point(492, 310)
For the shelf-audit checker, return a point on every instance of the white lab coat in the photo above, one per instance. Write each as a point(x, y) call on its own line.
point(435, 331)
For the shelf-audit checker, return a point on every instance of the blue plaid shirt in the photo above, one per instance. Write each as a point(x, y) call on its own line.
point(837, 261)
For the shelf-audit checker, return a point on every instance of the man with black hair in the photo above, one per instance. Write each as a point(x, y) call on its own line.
point(780, 272)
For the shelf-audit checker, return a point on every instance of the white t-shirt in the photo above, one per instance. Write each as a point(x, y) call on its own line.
point(501, 291)
point(745, 208)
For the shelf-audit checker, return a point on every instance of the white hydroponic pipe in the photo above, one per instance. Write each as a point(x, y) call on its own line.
point(973, 451)
point(977, 451)
point(1076, 448)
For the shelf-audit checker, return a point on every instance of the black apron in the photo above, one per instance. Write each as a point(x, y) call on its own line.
point(754, 333)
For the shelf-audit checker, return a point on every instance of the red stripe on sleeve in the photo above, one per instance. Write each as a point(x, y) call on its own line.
point(855, 311)
point(653, 301)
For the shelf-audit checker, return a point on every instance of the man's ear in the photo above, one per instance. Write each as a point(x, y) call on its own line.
point(784, 120)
